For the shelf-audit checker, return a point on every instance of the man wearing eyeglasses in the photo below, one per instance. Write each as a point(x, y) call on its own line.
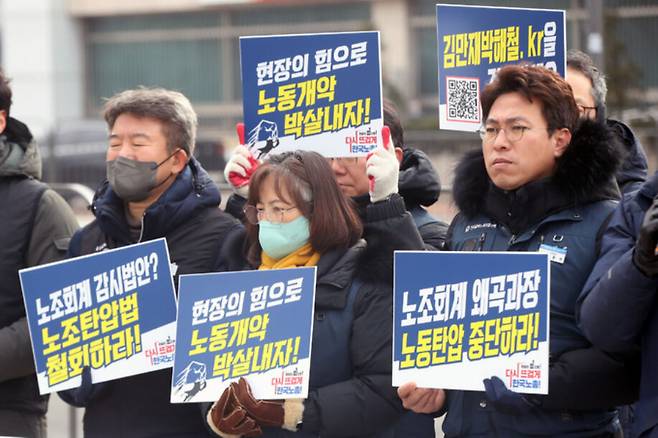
point(541, 179)
point(589, 90)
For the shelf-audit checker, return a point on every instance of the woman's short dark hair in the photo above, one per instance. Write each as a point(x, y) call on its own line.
point(310, 183)
point(539, 84)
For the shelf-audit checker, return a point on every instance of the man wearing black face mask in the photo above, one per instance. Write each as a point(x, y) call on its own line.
point(155, 188)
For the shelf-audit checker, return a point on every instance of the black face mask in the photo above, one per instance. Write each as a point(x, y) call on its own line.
point(134, 180)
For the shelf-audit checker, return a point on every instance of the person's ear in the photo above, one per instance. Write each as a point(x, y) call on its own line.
point(399, 154)
point(180, 161)
point(3, 121)
point(561, 139)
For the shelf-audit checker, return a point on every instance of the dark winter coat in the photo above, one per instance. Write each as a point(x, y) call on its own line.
point(618, 310)
point(36, 227)
point(187, 215)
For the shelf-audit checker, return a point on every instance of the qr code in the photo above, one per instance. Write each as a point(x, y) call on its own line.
point(463, 94)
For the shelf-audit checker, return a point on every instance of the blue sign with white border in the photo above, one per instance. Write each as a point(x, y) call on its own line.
point(316, 92)
point(105, 311)
point(252, 324)
point(461, 317)
point(475, 41)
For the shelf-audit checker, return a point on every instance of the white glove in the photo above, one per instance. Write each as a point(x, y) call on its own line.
point(240, 166)
point(383, 169)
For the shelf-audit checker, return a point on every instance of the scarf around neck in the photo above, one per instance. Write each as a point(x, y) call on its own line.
point(304, 256)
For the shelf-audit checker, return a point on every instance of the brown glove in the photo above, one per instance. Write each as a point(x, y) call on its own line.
point(275, 413)
point(230, 420)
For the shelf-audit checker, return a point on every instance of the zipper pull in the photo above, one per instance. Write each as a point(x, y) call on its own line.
point(480, 246)
point(512, 239)
point(141, 232)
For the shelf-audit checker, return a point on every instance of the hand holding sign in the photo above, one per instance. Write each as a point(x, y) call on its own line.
point(383, 168)
point(240, 166)
point(80, 396)
point(421, 400)
point(237, 412)
point(507, 401)
point(228, 418)
point(274, 413)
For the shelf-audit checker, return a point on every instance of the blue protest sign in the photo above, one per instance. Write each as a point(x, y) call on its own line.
point(316, 92)
point(461, 317)
point(252, 324)
point(475, 41)
point(104, 311)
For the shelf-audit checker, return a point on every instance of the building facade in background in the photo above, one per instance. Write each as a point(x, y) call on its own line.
point(67, 56)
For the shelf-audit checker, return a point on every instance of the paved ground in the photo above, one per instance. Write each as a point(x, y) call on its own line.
point(60, 417)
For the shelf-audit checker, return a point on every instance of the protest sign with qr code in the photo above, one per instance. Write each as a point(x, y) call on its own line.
point(112, 311)
point(475, 41)
point(481, 314)
point(316, 92)
point(252, 324)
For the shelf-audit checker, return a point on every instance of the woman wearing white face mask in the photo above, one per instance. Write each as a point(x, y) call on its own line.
point(297, 216)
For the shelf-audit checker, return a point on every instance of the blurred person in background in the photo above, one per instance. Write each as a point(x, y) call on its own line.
point(37, 225)
point(590, 90)
point(418, 183)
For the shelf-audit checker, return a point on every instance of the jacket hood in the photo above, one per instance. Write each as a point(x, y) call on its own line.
point(19, 153)
point(418, 182)
point(584, 173)
point(192, 191)
point(634, 169)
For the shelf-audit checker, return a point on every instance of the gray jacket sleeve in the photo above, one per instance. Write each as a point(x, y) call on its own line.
point(54, 224)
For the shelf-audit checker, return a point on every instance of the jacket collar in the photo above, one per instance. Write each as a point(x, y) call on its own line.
point(191, 191)
point(526, 206)
point(584, 174)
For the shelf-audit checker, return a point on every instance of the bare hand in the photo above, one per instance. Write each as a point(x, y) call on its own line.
point(421, 400)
